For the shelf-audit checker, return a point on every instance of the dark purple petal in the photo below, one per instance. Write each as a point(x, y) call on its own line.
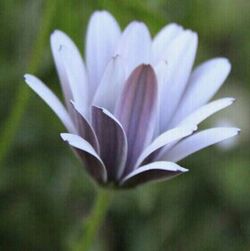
point(88, 155)
point(161, 170)
point(84, 128)
point(112, 140)
point(136, 111)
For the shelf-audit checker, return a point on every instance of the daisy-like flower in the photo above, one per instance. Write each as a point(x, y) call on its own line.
point(132, 113)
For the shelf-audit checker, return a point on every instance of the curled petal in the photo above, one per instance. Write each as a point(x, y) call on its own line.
point(102, 36)
point(88, 155)
point(156, 171)
point(136, 111)
point(112, 140)
point(85, 129)
point(51, 99)
point(198, 141)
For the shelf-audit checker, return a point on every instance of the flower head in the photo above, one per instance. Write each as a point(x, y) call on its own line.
point(133, 111)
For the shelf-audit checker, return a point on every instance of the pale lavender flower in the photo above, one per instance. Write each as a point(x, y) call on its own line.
point(133, 111)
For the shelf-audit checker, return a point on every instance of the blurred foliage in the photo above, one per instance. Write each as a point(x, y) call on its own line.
point(44, 192)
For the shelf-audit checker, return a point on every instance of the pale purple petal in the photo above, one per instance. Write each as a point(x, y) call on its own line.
point(156, 171)
point(102, 36)
point(70, 68)
point(205, 111)
point(180, 55)
point(163, 38)
point(199, 141)
point(134, 46)
point(204, 82)
point(88, 155)
point(164, 139)
point(137, 110)
point(51, 99)
point(111, 85)
point(112, 140)
point(85, 129)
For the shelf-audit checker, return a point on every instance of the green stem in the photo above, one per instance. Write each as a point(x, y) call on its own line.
point(94, 221)
point(20, 102)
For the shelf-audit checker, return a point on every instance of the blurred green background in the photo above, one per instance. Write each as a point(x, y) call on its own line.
point(44, 192)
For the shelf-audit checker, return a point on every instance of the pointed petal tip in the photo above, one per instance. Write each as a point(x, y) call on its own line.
point(64, 136)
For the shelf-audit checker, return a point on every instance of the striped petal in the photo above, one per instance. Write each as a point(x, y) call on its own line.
point(156, 171)
point(198, 141)
point(204, 82)
point(88, 155)
point(112, 140)
point(135, 46)
point(51, 100)
point(137, 111)
point(70, 69)
point(102, 36)
point(111, 85)
point(85, 129)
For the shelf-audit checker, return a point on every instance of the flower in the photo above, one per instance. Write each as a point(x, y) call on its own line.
point(133, 112)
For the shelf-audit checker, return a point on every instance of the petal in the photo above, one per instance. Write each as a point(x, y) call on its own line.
point(88, 155)
point(85, 129)
point(137, 111)
point(205, 111)
point(135, 46)
point(52, 101)
point(111, 85)
point(180, 55)
point(76, 77)
point(164, 139)
point(204, 82)
point(102, 37)
point(112, 140)
point(199, 141)
point(70, 68)
point(160, 170)
point(163, 38)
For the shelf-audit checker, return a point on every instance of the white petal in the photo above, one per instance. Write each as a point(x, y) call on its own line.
point(196, 117)
point(163, 38)
point(102, 36)
point(203, 84)
point(71, 69)
point(50, 98)
point(180, 56)
point(154, 171)
point(83, 145)
point(111, 85)
point(163, 140)
point(199, 141)
point(135, 46)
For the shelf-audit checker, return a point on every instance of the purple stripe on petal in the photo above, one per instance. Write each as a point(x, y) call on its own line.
point(136, 111)
point(88, 155)
point(155, 171)
point(85, 130)
point(112, 140)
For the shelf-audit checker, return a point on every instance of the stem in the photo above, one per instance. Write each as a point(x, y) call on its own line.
point(18, 107)
point(94, 221)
